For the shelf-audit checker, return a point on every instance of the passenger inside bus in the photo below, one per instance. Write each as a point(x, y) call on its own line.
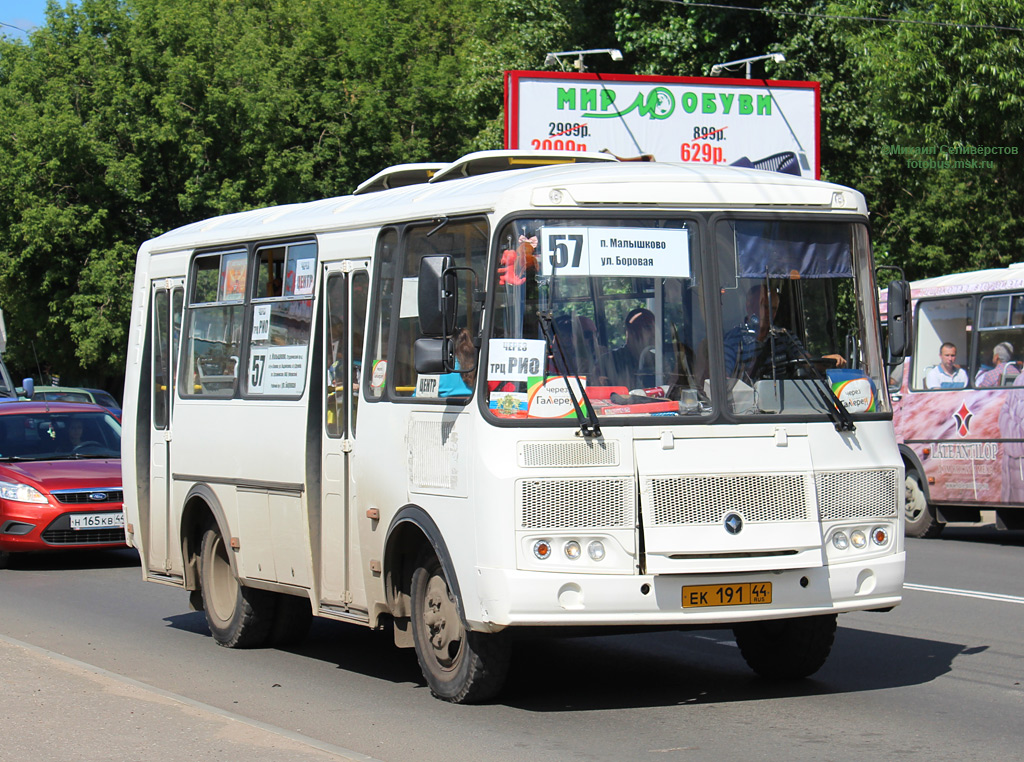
point(632, 364)
point(1002, 371)
point(577, 337)
point(947, 374)
point(460, 383)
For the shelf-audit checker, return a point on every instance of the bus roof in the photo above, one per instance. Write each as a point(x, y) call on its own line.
point(996, 279)
point(646, 185)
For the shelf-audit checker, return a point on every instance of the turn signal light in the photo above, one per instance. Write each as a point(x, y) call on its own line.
point(542, 549)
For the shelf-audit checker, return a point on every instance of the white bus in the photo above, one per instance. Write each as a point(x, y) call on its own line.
point(959, 401)
point(515, 392)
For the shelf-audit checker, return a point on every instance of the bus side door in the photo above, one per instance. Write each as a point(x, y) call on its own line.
point(166, 303)
point(346, 290)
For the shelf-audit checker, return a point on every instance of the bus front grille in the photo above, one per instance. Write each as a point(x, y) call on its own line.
point(688, 500)
point(568, 454)
point(585, 503)
point(858, 494)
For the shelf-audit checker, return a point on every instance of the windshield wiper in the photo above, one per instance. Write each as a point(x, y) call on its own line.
point(589, 427)
point(836, 410)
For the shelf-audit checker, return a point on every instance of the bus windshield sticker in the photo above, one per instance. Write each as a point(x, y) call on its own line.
point(427, 385)
point(617, 252)
point(277, 370)
point(514, 359)
point(379, 375)
point(410, 304)
point(232, 277)
point(549, 398)
point(261, 322)
point(304, 276)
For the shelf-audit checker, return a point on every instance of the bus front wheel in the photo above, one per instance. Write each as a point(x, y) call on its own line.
point(459, 665)
point(238, 616)
point(786, 649)
point(920, 519)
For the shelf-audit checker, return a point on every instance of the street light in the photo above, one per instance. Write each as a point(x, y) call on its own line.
point(552, 58)
point(719, 68)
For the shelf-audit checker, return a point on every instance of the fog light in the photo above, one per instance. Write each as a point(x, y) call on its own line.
point(542, 549)
point(840, 540)
point(596, 550)
point(572, 550)
point(858, 538)
point(880, 535)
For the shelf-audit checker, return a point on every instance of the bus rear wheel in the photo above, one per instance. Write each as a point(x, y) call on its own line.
point(238, 616)
point(787, 649)
point(459, 665)
point(920, 518)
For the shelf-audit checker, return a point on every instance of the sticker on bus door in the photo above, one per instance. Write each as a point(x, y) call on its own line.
point(618, 252)
point(277, 370)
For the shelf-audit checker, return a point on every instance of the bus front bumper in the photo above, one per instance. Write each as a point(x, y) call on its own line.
point(512, 597)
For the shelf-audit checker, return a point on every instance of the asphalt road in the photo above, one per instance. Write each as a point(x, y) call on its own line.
point(939, 678)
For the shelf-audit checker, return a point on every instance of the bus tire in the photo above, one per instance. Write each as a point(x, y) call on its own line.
point(920, 519)
point(459, 665)
point(292, 619)
point(238, 616)
point(786, 649)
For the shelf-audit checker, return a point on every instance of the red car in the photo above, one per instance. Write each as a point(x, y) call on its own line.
point(60, 478)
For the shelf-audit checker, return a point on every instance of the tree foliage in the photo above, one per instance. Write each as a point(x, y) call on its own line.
point(121, 119)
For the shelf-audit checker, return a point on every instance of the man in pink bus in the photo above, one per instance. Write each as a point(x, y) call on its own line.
point(1002, 371)
point(946, 375)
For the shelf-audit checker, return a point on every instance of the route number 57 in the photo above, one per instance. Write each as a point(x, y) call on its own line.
point(559, 246)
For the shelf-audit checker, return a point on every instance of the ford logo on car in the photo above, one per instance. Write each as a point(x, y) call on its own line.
point(98, 497)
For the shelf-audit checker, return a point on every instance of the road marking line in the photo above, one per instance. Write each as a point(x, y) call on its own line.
point(967, 593)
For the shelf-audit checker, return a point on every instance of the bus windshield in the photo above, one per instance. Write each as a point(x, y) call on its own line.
point(615, 313)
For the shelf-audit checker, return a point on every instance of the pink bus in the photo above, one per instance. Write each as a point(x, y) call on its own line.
point(958, 400)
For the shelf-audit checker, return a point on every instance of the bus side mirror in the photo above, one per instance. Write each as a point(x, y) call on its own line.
point(437, 297)
point(29, 387)
point(898, 315)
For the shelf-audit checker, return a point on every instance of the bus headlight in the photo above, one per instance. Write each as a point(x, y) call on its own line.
point(596, 550)
point(858, 538)
point(573, 550)
point(840, 540)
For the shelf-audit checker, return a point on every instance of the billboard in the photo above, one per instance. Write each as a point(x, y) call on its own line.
point(747, 122)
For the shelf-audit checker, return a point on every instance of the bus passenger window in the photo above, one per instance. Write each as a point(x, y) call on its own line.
point(336, 362)
point(939, 323)
point(1000, 340)
point(214, 329)
point(281, 325)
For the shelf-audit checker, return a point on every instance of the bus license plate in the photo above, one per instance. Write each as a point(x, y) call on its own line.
point(97, 520)
point(742, 594)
